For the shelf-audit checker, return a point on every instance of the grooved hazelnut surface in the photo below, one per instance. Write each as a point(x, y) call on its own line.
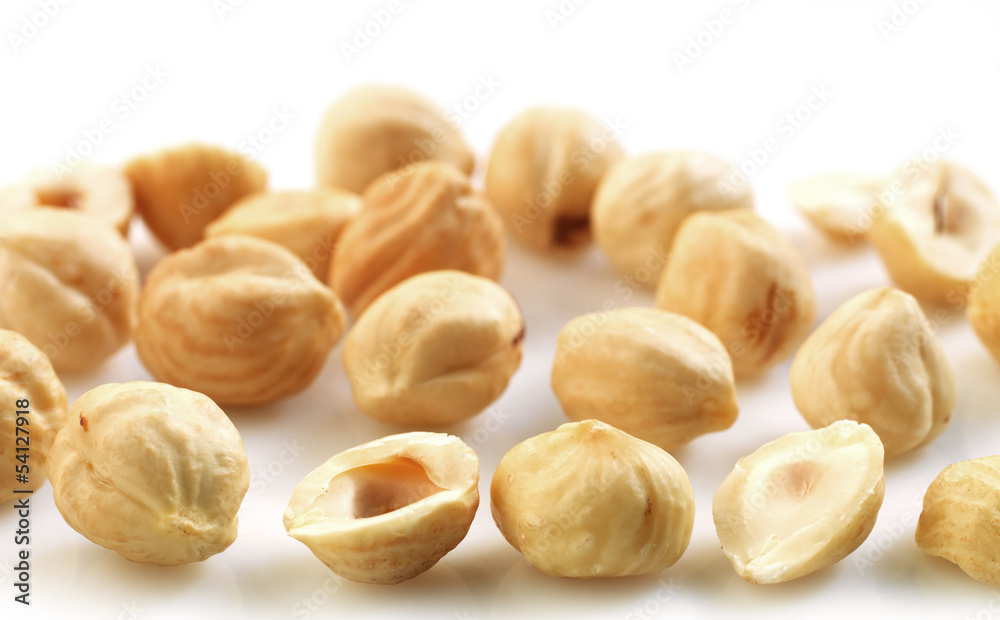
point(429, 219)
point(984, 303)
point(237, 318)
point(153, 472)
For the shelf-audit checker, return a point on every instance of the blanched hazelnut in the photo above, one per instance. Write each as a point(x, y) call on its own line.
point(875, 360)
point(801, 502)
point(434, 349)
point(306, 222)
point(959, 519)
point(237, 318)
point(641, 202)
point(938, 224)
point(374, 129)
point(388, 510)
point(543, 172)
point(588, 500)
point(29, 391)
point(151, 471)
point(70, 285)
point(428, 220)
point(839, 204)
point(741, 278)
point(100, 191)
point(658, 376)
point(179, 191)
point(984, 303)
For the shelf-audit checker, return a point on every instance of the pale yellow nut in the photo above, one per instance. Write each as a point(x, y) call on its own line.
point(306, 222)
point(179, 191)
point(32, 410)
point(984, 303)
point(153, 472)
point(436, 349)
point(842, 205)
point(429, 218)
point(741, 278)
point(588, 500)
point(101, 191)
point(960, 521)
point(543, 173)
point(641, 202)
point(876, 360)
point(801, 502)
point(936, 225)
point(656, 375)
point(374, 129)
point(237, 318)
point(70, 285)
point(388, 510)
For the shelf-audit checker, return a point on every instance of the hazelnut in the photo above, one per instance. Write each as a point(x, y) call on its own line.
point(237, 318)
point(984, 303)
point(388, 510)
point(938, 224)
point(839, 204)
point(658, 376)
point(70, 285)
point(151, 471)
point(180, 191)
point(543, 172)
point(641, 202)
point(307, 223)
point(960, 515)
point(373, 130)
point(435, 349)
point(801, 502)
point(588, 500)
point(875, 360)
point(28, 384)
point(428, 220)
point(101, 191)
point(742, 279)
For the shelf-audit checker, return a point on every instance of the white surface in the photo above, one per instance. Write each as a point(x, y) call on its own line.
point(224, 78)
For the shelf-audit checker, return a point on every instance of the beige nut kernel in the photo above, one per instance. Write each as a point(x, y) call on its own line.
point(641, 202)
point(801, 502)
point(179, 191)
point(237, 318)
point(876, 360)
point(960, 520)
point(431, 219)
point(588, 500)
point(306, 222)
point(543, 172)
point(373, 130)
point(841, 205)
point(436, 349)
point(388, 510)
point(658, 376)
point(101, 191)
point(984, 303)
point(738, 276)
point(32, 411)
point(938, 224)
point(153, 472)
point(70, 285)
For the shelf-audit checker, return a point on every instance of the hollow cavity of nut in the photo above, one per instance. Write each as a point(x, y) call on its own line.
point(58, 197)
point(376, 489)
point(568, 229)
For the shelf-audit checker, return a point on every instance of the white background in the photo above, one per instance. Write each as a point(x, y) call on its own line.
point(892, 90)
